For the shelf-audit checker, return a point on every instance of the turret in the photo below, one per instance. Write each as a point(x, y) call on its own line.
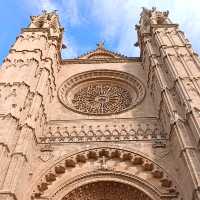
point(27, 87)
point(172, 73)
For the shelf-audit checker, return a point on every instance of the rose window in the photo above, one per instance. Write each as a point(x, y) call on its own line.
point(100, 97)
point(101, 92)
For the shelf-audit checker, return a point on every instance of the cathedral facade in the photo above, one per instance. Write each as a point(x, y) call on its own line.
point(102, 126)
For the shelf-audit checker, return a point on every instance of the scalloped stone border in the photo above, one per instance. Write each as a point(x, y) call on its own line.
point(65, 165)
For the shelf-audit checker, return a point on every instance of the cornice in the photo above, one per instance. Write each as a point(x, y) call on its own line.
point(56, 121)
point(109, 60)
point(164, 25)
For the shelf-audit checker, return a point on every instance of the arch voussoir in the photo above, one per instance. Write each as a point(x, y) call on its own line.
point(101, 156)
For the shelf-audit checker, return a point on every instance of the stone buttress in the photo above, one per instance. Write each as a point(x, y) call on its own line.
point(172, 70)
point(27, 86)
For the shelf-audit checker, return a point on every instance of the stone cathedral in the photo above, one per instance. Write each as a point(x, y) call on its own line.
point(102, 126)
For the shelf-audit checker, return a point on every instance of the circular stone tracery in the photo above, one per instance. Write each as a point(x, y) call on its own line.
point(101, 92)
point(106, 190)
point(102, 97)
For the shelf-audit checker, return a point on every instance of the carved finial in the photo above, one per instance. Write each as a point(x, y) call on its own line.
point(153, 9)
point(146, 10)
point(166, 13)
point(100, 45)
point(44, 12)
point(137, 27)
point(136, 44)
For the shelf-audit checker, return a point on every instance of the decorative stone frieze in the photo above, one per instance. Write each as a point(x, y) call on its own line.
point(99, 131)
point(107, 190)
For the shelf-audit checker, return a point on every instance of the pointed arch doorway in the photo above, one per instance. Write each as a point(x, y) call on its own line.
point(106, 190)
point(106, 185)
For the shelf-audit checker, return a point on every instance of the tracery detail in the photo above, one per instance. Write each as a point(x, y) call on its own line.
point(102, 98)
point(106, 190)
point(101, 92)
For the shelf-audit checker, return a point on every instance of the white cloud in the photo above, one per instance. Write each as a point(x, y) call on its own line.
point(71, 48)
point(187, 14)
point(47, 5)
point(116, 18)
point(68, 11)
point(39, 5)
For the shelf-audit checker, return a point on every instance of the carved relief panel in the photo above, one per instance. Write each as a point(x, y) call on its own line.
point(104, 191)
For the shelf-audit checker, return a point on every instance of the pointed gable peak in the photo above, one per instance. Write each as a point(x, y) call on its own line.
point(101, 53)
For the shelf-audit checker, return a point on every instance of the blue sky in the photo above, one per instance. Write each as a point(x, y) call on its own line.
point(87, 22)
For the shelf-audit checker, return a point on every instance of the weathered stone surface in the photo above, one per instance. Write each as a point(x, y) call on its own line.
point(103, 125)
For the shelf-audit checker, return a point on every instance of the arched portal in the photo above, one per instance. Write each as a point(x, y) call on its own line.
point(106, 190)
point(95, 177)
point(107, 165)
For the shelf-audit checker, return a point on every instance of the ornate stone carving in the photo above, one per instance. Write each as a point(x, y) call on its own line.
point(101, 53)
point(106, 190)
point(101, 92)
point(102, 98)
point(11, 99)
point(45, 20)
point(46, 153)
point(143, 129)
point(102, 161)
point(19, 63)
point(32, 36)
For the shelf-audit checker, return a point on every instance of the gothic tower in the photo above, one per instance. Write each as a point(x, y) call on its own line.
point(101, 126)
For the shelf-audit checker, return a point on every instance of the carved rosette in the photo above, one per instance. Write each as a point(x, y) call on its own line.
point(101, 92)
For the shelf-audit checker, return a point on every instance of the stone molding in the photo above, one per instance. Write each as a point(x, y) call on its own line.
point(102, 157)
point(126, 129)
point(104, 60)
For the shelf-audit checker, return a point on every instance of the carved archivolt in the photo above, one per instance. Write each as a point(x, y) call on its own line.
point(105, 160)
point(101, 92)
point(105, 190)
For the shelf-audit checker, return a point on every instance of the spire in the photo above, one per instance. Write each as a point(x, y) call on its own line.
point(154, 16)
